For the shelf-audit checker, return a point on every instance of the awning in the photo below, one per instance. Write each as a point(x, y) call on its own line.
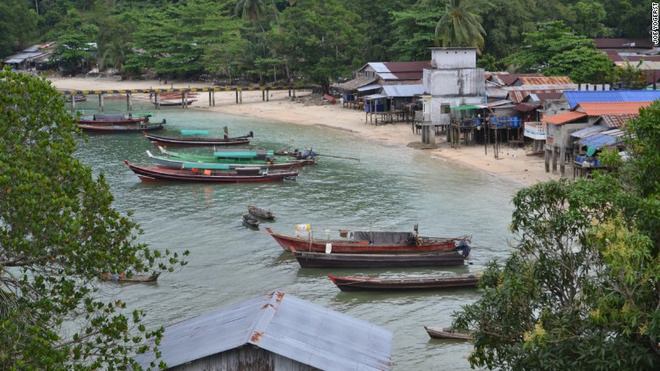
point(588, 131)
point(369, 87)
point(465, 107)
point(375, 96)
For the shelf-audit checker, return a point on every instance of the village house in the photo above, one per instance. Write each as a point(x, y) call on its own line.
point(32, 58)
point(276, 332)
point(639, 53)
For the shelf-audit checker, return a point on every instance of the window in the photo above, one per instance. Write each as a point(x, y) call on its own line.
point(444, 108)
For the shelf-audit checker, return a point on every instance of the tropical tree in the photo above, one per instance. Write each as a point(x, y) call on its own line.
point(17, 26)
point(413, 30)
point(252, 10)
point(582, 65)
point(460, 26)
point(580, 289)
point(630, 76)
point(58, 233)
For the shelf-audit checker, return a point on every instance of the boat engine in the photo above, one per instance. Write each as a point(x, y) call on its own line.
point(464, 248)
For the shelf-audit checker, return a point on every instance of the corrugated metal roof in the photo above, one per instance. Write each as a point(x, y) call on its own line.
point(575, 97)
point(378, 67)
point(399, 70)
point(375, 96)
point(611, 108)
point(282, 324)
point(354, 84)
point(518, 96)
point(543, 80)
point(394, 91)
point(615, 121)
point(588, 131)
point(564, 118)
point(369, 87)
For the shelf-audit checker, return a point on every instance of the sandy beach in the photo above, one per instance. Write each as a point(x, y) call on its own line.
point(513, 163)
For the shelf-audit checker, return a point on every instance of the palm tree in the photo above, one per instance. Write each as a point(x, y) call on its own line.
point(460, 26)
point(250, 9)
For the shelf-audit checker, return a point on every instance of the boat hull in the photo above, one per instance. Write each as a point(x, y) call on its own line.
point(289, 243)
point(356, 283)
point(320, 260)
point(105, 128)
point(446, 333)
point(260, 213)
point(201, 142)
point(153, 173)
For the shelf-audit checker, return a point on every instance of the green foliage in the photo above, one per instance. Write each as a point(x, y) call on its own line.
point(582, 65)
point(17, 26)
point(589, 17)
point(580, 289)
point(460, 26)
point(58, 232)
point(414, 29)
point(630, 76)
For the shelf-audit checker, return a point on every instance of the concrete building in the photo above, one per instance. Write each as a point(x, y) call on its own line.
point(453, 80)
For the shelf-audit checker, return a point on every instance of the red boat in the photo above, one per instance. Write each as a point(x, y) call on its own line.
point(112, 119)
point(123, 128)
point(370, 243)
point(240, 175)
point(364, 283)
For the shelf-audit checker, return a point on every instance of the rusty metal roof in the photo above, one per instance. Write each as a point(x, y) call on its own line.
point(611, 108)
point(615, 121)
point(518, 96)
point(354, 84)
point(564, 118)
point(399, 70)
point(282, 324)
point(543, 80)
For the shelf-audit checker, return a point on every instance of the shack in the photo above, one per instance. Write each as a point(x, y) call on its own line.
point(276, 331)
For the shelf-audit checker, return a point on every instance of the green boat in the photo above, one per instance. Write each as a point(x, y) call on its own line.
point(189, 161)
point(233, 157)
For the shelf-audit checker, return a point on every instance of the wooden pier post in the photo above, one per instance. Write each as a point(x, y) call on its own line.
point(289, 92)
point(240, 95)
point(100, 101)
point(263, 95)
point(210, 98)
point(213, 97)
point(73, 103)
point(129, 102)
point(236, 95)
point(267, 95)
point(157, 100)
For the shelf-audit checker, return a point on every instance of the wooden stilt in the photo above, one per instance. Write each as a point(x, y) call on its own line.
point(100, 102)
point(129, 102)
point(237, 96)
point(73, 103)
point(240, 96)
point(210, 101)
point(267, 95)
point(157, 100)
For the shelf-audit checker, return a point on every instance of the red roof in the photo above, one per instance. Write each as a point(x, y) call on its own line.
point(408, 70)
point(611, 108)
point(564, 118)
point(614, 43)
point(509, 78)
point(616, 121)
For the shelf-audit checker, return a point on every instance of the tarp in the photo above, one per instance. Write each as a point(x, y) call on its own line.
point(379, 238)
point(599, 141)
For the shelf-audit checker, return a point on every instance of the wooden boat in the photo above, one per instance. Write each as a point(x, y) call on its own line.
point(260, 213)
point(112, 119)
point(250, 221)
point(370, 243)
point(226, 164)
point(124, 128)
point(362, 283)
point(199, 141)
point(334, 260)
point(245, 158)
point(174, 102)
point(239, 175)
point(446, 333)
point(136, 278)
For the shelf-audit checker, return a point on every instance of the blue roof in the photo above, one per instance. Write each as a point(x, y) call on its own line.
point(284, 325)
point(575, 97)
point(599, 141)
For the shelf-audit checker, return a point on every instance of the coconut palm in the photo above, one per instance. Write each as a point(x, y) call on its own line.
point(460, 26)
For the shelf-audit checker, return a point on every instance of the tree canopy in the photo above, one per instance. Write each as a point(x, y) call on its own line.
point(58, 233)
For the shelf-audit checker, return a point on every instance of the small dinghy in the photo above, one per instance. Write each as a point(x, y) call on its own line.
point(447, 333)
point(250, 221)
point(261, 213)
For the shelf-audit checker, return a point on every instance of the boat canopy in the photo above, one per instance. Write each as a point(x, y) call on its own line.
point(191, 132)
point(378, 238)
point(242, 154)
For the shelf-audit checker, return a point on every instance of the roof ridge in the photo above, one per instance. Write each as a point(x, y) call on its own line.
point(262, 321)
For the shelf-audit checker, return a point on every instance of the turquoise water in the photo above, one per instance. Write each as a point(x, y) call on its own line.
point(389, 189)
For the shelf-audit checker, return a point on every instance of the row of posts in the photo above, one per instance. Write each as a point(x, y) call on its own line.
point(265, 96)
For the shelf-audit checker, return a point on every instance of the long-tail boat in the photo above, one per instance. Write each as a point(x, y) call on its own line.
point(238, 175)
point(260, 213)
point(363, 283)
point(446, 333)
point(112, 119)
point(250, 221)
point(123, 128)
point(251, 157)
point(227, 164)
point(199, 140)
point(335, 260)
point(370, 243)
point(123, 278)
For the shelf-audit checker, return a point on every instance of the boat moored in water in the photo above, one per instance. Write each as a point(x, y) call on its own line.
point(446, 333)
point(199, 140)
point(261, 213)
point(250, 221)
point(335, 260)
point(113, 119)
point(370, 243)
point(238, 175)
point(123, 128)
point(175, 163)
point(364, 283)
point(247, 157)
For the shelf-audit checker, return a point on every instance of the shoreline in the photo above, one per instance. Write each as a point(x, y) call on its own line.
point(513, 165)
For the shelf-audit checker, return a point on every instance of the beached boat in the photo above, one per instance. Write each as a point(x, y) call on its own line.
point(123, 128)
point(250, 221)
point(239, 175)
point(334, 260)
point(260, 213)
point(175, 163)
point(446, 333)
point(363, 283)
point(135, 278)
point(190, 141)
point(112, 119)
point(370, 243)
point(245, 158)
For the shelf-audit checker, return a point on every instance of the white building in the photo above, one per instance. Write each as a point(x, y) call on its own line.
point(453, 80)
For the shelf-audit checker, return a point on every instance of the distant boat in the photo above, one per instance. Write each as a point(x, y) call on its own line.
point(250, 221)
point(447, 333)
point(122, 128)
point(135, 278)
point(250, 175)
point(322, 260)
point(112, 119)
point(199, 140)
point(362, 283)
point(371, 243)
point(260, 213)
